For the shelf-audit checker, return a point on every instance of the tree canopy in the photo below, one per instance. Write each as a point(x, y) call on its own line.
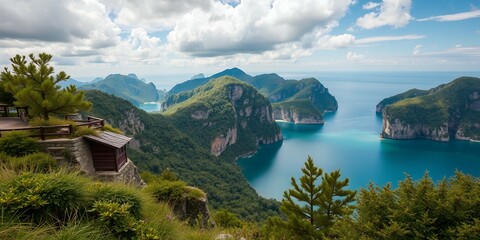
point(33, 85)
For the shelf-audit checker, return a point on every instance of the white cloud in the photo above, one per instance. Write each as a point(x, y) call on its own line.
point(58, 21)
point(335, 42)
point(370, 5)
point(416, 49)
point(153, 15)
point(354, 57)
point(394, 13)
point(453, 17)
point(388, 38)
point(255, 26)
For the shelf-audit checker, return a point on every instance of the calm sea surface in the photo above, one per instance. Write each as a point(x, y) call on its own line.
point(350, 141)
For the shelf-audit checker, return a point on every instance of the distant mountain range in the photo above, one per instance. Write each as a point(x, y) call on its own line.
point(299, 101)
point(128, 87)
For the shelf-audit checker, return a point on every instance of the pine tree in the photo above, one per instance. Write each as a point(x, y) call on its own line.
point(314, 205)
point(33, 85)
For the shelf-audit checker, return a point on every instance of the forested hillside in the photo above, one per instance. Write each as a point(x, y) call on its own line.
point(159, 145)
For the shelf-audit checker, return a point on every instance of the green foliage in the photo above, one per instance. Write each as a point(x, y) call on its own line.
point(163, 146)
point(32, 84)
point(209, 112)
point(34, 162)
point(226, 219)
point(312, 208)
point(420, 210)
point(452, 104)
point(44, 197)
point(18, 143)
point(108, 127)
point(118, 193)
point(84, 130)
point(116, 217)
point(405, 95)
point(52, 121)
point(127, 87)
point(167, 191)
point(168, 175)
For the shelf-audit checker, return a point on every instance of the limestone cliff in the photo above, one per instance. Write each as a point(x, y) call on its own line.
point(449, 111)
point(397, 129)
point(293, 115)
point(225, 112)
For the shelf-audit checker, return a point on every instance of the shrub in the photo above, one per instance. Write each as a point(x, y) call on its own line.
point(108, 127)
point(226, 219)
point(45, 197)
point(52, 121)
point(118, 193)
point(35, 162)
point(83, 130)
point(168, 191)
point(18, 143)
point(116, 217)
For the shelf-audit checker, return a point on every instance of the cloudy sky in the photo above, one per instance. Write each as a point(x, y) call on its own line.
point(90, 38)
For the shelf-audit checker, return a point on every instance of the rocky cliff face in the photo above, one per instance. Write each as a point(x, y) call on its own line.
point(396, 129)
point(225, 112)
point(246, 114)
point(192, 209)
point(292, 115)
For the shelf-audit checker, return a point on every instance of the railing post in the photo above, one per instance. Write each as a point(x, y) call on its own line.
point(42, 133)
point(70, 129)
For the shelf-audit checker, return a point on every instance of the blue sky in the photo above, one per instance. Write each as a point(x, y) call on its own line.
point(90, 38)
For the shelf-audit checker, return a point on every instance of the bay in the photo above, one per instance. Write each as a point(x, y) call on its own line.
point(350, 140)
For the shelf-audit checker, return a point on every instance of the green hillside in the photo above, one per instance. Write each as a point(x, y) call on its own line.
point(456, 103)
point(159, 145)
point(127, 87)
point(306, 97)
point(225, 106)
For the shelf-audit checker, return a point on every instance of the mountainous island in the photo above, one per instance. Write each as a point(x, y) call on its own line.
point(449, 111)
point(128, 87)
point(223, 112)
point(299, 101)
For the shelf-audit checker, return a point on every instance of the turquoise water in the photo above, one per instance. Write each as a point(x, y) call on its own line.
point(150, 107)
point(350, 141)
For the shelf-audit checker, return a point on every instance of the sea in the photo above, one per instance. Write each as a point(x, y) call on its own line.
point(349, 140)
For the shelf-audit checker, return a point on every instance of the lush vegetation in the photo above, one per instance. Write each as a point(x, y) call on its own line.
point(405, 95)
point(33, 85)
point(160, 146)
point(43, 201)
point(128, 87)
point(288, 94)
point(219, 112)
point(454, 103)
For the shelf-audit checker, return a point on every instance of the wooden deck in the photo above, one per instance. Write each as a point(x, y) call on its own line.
point(11, 123)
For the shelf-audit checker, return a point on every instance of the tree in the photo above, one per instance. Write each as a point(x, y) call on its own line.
point(312, 208)
point(33, 85)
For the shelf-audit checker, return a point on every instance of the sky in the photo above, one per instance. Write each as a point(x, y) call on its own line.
point(94, 38)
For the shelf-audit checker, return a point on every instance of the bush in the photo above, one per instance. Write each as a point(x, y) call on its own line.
point(108, 127)
point(18, 143)
point(35, 162)
point(167, 191)
point(45, 197)
point(120, 194)
point(83, 130)
point(226, 219)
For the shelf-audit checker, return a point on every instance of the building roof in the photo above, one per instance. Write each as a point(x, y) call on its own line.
point(109, 138)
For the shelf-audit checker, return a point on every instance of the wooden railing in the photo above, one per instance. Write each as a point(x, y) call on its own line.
point(59, 130)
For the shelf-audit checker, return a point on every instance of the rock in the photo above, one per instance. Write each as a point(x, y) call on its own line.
point(194, 210)
point(399, 130)
point(224, 236)
point(221, 142)
point(290, 115)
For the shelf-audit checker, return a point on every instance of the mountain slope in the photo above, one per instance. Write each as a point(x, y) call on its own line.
point(449, 111)
point(158, 145)
point(127, 87)
point(302, 101)
point(225, 112)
